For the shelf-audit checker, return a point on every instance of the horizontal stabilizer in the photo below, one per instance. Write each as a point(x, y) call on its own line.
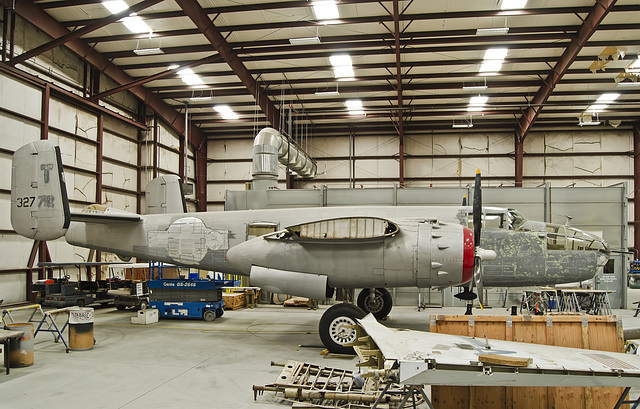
point(104, 218)
point(39, 204)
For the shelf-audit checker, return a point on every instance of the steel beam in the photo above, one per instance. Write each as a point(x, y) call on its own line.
point(591, 23)
point(72, 35)
point(399, 112)
point(195, 12)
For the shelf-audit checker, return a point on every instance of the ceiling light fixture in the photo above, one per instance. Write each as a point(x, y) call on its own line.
point(513, 4)
point(135, 24)
point(493, 59)
point(226, 112)
point(588, 120)
point(190, 78)
point(304, 40)
point(477, 103)
point(327, 92)
point(115, 7)
point(342, 67)
point(148, 51)
point(475, 87)
point(326, 10)
point(605, 98)
point(492, 31)
point(354, 106)
point(201, 96)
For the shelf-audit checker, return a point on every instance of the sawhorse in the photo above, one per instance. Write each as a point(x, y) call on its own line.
point(6, 313)
point(53, 327)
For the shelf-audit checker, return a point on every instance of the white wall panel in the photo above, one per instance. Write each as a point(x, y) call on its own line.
point(230, 149)
point(168, 160)
point(328, 147)
point(72, 119)
point(119, 176)
point(80, 186)
point(20, 97)
point(119, 200)
point(15, 132)
point(116, 147)
point(375, 145)
point(5, 212)
point(229, 171)
point(5, 171)
point(377, 168)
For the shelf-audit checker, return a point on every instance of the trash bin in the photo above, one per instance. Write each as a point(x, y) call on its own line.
point(81, 329)
point(21, 352)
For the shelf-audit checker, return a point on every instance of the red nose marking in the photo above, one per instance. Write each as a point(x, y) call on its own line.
point(468, 255)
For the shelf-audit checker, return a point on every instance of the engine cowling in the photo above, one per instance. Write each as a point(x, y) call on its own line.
point(312, 286)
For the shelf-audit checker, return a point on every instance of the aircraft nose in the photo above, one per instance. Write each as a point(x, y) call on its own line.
point(239, 257)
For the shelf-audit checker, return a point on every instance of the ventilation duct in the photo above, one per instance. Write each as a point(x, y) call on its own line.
point(271, 147)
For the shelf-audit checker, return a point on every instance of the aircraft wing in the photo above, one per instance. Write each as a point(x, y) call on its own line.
point(424, 358)
point(105, 218)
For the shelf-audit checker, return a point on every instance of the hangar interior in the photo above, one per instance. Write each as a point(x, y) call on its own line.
point(394, 103)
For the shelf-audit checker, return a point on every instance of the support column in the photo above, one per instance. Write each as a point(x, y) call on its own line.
point(201, 177)
point(636, 186)
point(519, 160)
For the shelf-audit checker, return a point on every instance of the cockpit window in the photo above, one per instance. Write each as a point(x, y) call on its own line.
point(489, 221)
point(516, 219)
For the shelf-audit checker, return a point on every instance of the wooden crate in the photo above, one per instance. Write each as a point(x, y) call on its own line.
point(591, 332)
point(233, 301)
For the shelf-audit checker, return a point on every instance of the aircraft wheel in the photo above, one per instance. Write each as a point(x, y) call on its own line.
point(209, 315)
point(380, 305)
point(143, 305)
point(333, 327)
point(120, 307)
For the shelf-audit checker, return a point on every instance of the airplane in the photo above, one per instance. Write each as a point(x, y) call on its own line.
point(314, 252)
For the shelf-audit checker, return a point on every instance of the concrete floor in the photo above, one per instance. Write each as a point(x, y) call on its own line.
point(186, 363)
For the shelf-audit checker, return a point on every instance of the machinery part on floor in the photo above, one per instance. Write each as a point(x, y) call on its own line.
point(311, 385)
point(376, 301)
point(337, 327)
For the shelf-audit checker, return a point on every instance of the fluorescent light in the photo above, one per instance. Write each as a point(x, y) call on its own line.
point(462, 126)
point(343, 72)
point(628, 84)
point(479, 100)
point(148, 51)
point(604, 98)
point(208, 98)
point(474, 87)
point(135, 24)
point(327, 93)
point(353, 103)
point(513, 4)
point(173, 67)
point(340, 60)
point(491, 66)
point(596, 108)
point(342, 66)
point(115, 7)
point(326, 10)
point(304, 40)
point(492, 31)
point(226, 112)
point(496, 53)
point(359, 112)
point(190, 78)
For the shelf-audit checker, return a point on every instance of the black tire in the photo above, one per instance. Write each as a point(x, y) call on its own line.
point(332, 327)
point(209, 315)
point(380, 306)
point(143, 305)
point(80, 303)
point(121, 307)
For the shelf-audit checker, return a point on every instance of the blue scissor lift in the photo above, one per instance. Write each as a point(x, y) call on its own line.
point(185, 298)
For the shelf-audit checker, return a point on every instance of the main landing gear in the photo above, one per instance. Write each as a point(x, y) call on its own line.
point(336, 325)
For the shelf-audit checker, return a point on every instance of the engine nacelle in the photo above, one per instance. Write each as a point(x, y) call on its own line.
point(312, 286)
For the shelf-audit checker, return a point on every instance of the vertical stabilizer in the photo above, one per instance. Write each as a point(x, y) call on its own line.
point(164, 195)
point(39, 204)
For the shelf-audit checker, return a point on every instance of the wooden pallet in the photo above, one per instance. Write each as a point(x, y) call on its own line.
point(592, 332)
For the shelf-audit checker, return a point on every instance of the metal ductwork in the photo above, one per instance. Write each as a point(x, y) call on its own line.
point(271, 147)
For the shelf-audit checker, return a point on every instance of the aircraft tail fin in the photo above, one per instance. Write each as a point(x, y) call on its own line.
point(39, 203)
point(164, 195)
